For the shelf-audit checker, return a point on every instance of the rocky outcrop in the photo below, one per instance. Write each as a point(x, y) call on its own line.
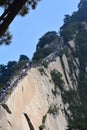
point(32, 105)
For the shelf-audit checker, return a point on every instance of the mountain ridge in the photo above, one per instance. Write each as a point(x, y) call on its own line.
point(52, 92)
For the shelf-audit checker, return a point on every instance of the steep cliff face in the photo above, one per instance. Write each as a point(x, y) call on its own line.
point(32, 105)
point(53, 94)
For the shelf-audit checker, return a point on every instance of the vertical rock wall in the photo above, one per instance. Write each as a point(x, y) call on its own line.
point(28, 105)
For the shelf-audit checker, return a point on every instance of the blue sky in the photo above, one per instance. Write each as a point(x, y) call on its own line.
point(48, 16)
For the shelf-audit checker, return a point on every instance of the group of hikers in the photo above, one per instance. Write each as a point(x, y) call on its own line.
point(7, 89)
point(12, 83)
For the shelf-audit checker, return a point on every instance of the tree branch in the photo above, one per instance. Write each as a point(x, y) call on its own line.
point(9, 15)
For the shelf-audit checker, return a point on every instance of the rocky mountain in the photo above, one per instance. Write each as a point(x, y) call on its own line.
point(51, 93)
point(36, 101)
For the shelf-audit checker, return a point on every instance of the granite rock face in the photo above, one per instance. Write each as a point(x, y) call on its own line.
point(32, 104)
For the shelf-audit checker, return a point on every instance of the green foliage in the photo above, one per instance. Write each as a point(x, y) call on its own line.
point(53, 109)
point(58, 81)
point(55, 92)
point(72, 24)
point(7, 71)
point(45, 64)
point(41, 54)
point(14, 8)
point(44, 119)
point(81, 37)
point(82, 5)
point(46, 39)
point(41, 70)
point(43, 47)
point(79, 123)
point(24, 9)
point(71, 97)
point(6, 38)
point(42, 126)
point(23, 58)
point(83, 88)
point(71, 65)
point(57, 78)
point(67, 18)
point(70, 30)
point(63, 51)
point(82, 55)
point(75, 28)
point(82, 43)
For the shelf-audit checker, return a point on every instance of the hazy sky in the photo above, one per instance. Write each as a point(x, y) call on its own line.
point(48, 16)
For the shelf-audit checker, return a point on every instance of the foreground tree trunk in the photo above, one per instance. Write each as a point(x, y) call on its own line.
point(9, 14)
